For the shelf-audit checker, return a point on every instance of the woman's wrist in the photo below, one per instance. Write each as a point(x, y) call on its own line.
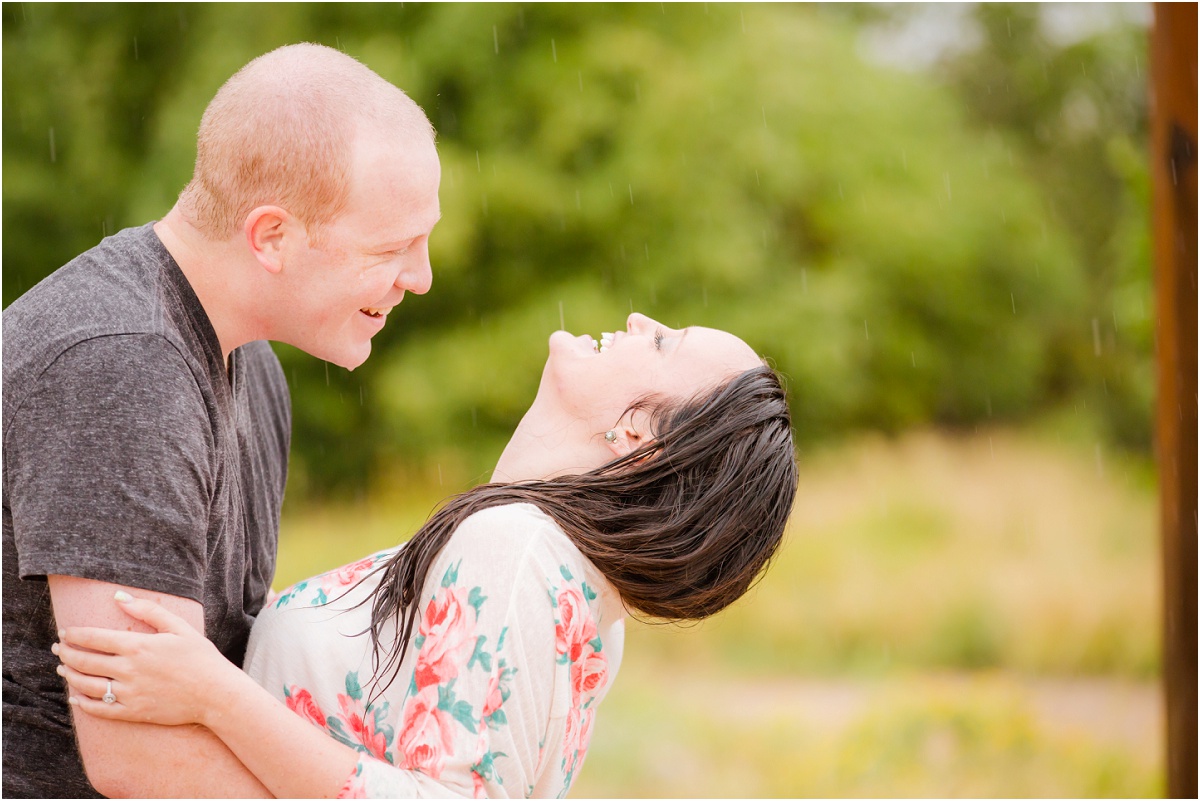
point(222, 693)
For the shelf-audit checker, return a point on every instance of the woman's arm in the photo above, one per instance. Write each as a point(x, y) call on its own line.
point(290, 756)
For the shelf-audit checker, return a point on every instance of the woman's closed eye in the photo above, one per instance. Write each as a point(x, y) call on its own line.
point(658, 339)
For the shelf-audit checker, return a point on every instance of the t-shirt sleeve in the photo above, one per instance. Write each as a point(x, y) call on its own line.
point(489, 704)
point(109, 469)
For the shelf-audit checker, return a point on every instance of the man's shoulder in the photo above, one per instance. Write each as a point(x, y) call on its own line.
point(108, 298)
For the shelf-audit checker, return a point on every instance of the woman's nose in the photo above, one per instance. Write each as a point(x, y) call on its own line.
point(636, 322)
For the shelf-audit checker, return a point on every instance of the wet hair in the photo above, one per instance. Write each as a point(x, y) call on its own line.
point(281, 132)
point(681, 526)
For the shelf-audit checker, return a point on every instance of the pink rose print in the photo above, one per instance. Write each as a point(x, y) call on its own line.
point(426, 735)
point(480, 786)
point(449, 636)
point(588, 675)
point(301, 702)
point(494, 697)
point(575, 627)
point(362, 729)
point(346, 575)
point(355, 786)
point(571, 733)
point(578, 735)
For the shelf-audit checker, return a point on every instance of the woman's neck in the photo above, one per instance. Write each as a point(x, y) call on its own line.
point(548, 443)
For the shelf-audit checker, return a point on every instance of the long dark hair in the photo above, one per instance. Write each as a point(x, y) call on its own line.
point(680, 527)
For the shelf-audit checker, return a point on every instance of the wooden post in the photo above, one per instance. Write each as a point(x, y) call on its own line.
point(1173, 173)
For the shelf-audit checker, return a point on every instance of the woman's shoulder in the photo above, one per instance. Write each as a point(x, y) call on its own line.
point(512, 528)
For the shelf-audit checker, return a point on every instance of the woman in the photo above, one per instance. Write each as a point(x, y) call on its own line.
point(654, 472)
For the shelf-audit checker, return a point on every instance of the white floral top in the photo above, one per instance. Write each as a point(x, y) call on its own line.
point(518, 641)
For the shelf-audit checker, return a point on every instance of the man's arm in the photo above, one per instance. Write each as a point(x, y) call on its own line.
point(127, 760)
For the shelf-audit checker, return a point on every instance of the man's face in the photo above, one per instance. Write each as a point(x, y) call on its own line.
point(342, 282)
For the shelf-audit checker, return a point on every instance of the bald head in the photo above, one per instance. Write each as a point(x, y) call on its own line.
point(281, 132)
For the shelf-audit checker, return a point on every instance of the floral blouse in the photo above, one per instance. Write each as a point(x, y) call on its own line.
point(519, 638)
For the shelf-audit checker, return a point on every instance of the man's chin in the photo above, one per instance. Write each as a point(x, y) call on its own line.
point(348, 358)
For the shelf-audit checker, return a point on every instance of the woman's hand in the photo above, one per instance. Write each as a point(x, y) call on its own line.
point(170, 678)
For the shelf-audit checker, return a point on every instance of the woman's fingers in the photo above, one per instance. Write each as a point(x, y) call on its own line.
point(152, 614)
point(109, 641)
point(83, 683)
point(88, 662)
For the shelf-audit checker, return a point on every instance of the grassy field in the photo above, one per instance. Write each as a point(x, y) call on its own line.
point(951, 615)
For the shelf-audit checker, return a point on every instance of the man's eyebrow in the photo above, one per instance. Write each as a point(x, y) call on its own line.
point(395, 243)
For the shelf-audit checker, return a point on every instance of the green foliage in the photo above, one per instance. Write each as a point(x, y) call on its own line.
point(892, 247)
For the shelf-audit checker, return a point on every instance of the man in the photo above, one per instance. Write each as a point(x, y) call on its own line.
point(146, 426)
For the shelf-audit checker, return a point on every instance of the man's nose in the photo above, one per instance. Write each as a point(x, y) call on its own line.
point(417, 275)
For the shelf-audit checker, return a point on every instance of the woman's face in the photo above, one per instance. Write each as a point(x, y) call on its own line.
point(647, 358)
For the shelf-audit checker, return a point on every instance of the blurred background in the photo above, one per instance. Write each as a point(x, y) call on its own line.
point(934, 219)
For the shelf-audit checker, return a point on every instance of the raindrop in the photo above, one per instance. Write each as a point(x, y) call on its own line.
point(946, 180)
point(1096, 335)
point(53, 152)
point(647, 251)
point(495, 40)
point(866, 330)
point(553, 51)
point(326, 373)
point(562, 321)
point(840, 193)
point(757, 180)
point(610, 190)
point(439, 474)
point(1014, 302)
point(631, 194)
point(913, 353)
point(764, 113)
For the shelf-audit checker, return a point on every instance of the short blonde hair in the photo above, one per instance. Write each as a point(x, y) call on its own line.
point(281, 132)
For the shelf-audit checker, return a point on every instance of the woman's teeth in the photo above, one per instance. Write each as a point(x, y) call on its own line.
point(606, 341)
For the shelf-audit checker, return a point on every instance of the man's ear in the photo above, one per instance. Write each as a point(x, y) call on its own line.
point(266, 227)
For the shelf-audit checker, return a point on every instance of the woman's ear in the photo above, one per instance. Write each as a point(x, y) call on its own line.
point(266, 228)
point(625, 438)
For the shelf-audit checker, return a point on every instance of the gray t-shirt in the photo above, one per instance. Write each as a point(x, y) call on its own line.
point(131, 455)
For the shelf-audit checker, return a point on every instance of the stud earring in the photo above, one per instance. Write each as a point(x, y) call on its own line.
point(610, 436)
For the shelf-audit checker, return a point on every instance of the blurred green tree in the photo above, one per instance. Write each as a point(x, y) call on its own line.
point(732, 166)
